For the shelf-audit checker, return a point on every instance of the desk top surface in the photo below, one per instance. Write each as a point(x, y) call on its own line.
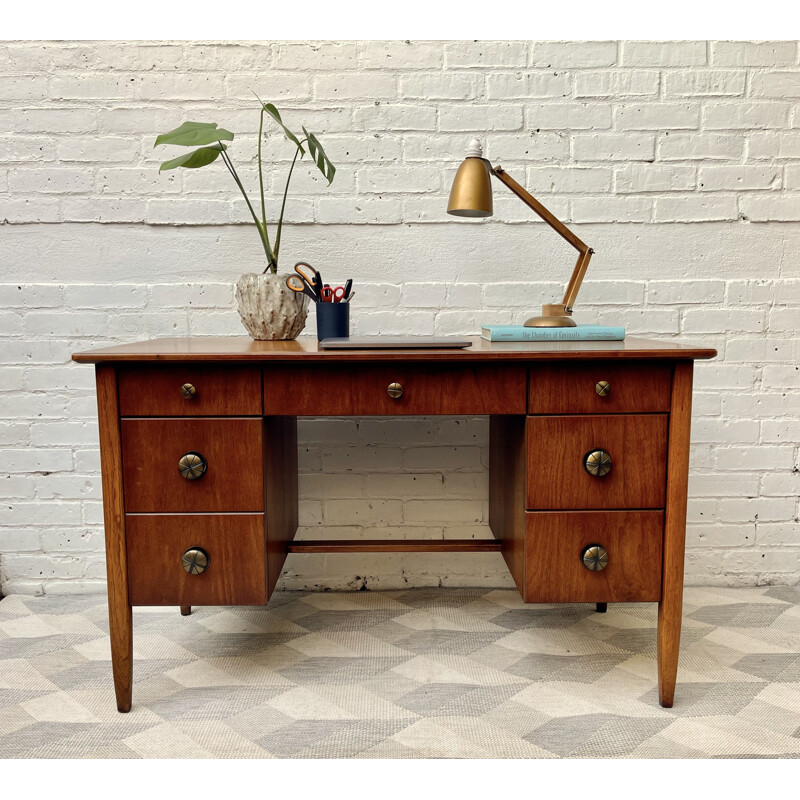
point(306, 350)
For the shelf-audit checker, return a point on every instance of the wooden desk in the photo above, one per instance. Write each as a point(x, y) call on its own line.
point(589, 454)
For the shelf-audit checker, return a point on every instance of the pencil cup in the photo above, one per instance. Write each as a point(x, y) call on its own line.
point(333, 320)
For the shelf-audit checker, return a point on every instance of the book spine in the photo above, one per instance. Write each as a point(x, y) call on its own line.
point(553, 335)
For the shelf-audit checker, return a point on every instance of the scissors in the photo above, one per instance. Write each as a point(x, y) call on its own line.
point(299, 284)
point(329, 295)
point(306, 280)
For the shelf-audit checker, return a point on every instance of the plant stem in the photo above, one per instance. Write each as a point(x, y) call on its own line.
point(261, 174)
point(262, 229)
point(283, 204)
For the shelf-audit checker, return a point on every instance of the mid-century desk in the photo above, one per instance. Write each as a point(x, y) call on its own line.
point(589, 454)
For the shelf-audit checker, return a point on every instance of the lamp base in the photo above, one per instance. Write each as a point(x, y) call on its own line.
point(553, 316)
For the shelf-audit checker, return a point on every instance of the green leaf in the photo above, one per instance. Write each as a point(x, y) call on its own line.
point(192, 134)
point(195, 159)
point(273, 112)
point(318, 154)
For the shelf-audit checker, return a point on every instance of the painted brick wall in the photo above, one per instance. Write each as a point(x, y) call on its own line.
point(678, 161)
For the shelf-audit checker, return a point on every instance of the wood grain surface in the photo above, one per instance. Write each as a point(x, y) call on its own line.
point(155, 391)
point(396, 546)
point(151, 449)
point(342, 389)
point(671, 605)
point(236, 574)
point(120, 621)
point(307, 349)
point(643, 386)
point(507, 466)
point(556, 447)
point(280, 492)
point(555, 571)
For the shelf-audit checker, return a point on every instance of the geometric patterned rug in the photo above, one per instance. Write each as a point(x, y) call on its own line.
point(421, 673)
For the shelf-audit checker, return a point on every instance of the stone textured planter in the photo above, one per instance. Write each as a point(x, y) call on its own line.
point(269, 308)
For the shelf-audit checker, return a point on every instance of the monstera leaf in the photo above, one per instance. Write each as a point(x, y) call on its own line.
point(195, 159)
point(273, 112)
point(320, 159)
point(193, 134)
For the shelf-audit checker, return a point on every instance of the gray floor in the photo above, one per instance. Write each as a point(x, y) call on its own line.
point(460, 673)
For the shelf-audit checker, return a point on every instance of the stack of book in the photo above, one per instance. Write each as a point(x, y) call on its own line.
point(519, 333)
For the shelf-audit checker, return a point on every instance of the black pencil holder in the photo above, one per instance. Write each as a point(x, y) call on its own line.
point(333, 320)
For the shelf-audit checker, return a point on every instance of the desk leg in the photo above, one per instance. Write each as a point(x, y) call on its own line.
point(671, 605)
point(120, 617)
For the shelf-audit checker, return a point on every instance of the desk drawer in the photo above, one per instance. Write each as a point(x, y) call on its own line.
point(554, 565)
point(210, 391)
point(599, 387)
point(236, 563)
point(558, 478)
point(351, 389)
point(231, 449)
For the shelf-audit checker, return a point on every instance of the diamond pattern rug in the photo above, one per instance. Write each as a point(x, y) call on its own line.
point(424, 673)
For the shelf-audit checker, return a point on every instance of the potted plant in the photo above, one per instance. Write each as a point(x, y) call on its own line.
point(268, 308)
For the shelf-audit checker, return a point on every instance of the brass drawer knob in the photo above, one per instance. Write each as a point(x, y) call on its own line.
point(395, 391)
point(192, 466)
point(603, 388)
point(597, 463)
point(188, 391)
point(594, 557)
point(195, 560)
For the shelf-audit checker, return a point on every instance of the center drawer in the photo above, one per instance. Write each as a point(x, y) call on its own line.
point(408, 389)
point(584, 462)
point(192, 464)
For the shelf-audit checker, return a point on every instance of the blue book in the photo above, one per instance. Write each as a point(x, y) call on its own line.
point(580, 333)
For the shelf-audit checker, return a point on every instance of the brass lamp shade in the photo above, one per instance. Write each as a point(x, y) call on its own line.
point(471, 195)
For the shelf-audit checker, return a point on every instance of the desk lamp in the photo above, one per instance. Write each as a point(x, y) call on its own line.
point(471, 196)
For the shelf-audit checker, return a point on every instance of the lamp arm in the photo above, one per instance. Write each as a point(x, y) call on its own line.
point(585, 252)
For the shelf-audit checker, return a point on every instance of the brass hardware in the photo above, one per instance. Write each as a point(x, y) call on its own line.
point(195, 561)
point(554, 315)
point(188, 391)
point(597, 463)
point(192, 466)
point(395, 391)
point(603, 388)
point(595, 558)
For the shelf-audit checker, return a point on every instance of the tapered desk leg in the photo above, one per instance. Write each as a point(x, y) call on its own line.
point(186, 610)
point(671, 605)
point(120, 617)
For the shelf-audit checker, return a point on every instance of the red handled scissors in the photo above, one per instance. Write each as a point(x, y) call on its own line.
point(329, 295)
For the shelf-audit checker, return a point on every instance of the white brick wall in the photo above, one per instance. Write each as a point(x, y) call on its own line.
point(678, 161)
